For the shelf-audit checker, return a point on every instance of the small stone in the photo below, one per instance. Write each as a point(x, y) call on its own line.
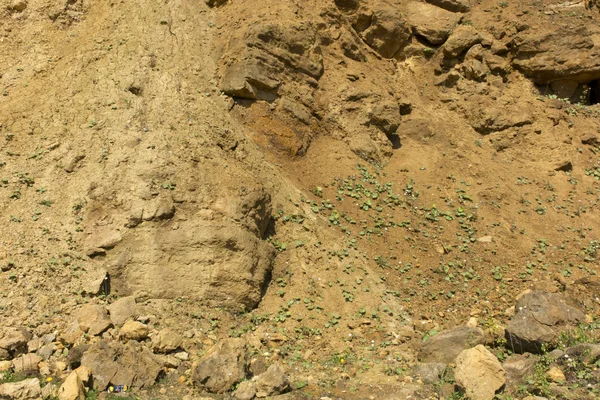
point(472, 322)
point(5, 365)
point(245, 391)
point(134, 330)
point(18, 5)
point(556, 375)
point(272, 382)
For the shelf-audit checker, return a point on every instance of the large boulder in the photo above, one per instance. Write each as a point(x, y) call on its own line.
point(130, 364)
point(539, 320)
point(479, 373)
point(223, 366)
point(446, 346)
point(430, 22)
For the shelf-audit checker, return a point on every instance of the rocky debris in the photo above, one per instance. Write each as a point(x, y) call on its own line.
point(28, 389)
point(167, 341)
point(380, 25)
point(93, 319)
point(130, 364)
point(134, 330)
point(14, 341)
point(222, 367)
point(271, 54)
point(72, 162)
point(429, 373)
point(452, 5)
point(564, 53)
point(72, 388)
point(446, 346)
point(588, 353)
point(462, 39)
point(272, 382)
point(479, 373)
point(430, 22)
point(26, 363)
point(121, 310)
point(539, 320)
point(517, 368)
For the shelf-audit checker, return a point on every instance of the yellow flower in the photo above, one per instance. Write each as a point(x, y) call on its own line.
point(49, 379)
point(342, 361)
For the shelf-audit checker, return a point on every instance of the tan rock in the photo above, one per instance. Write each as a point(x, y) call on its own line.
point(556, 375)
point(166, 341)
point(433, 23)
point(121, 310)
point(28, 389)
point(134, 330)
point(479, 372)
point(27, 362)
point(5, 365)
point(72, 388)
point(84, 374)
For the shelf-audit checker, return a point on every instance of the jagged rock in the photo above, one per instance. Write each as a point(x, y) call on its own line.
point(270, 53)
point(28, 389)
point(452, 5)
point(565, 53)
point(363, 146)
point(381, 26)
point(539, 320)
point(128, 364)
point(72, 388)
point(461, 40)
point(93, 319)
point(432, 23)
point(519, 367)
point(15, 341)
point(446, 346)
point(121, 310)
point(84, 374)
point(272, 382)
point(166, 341)
point(75, 355)
point(245, 391)
point(429, 373)
point(223, 366)
point(134, 330)
point(479, 373)
point(26, 363)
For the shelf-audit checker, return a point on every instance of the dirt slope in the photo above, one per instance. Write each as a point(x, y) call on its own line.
point(331, 181)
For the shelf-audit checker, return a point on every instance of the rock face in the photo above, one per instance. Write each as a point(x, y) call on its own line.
point(446, 346)
point(28, 389)
point(219, 257)
point(262, 55)
point(379, 24)
point(120, 364)
point(565, 53)
point(222, 367)
point(430, 22)
point(539, 320)
point(479, 373)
